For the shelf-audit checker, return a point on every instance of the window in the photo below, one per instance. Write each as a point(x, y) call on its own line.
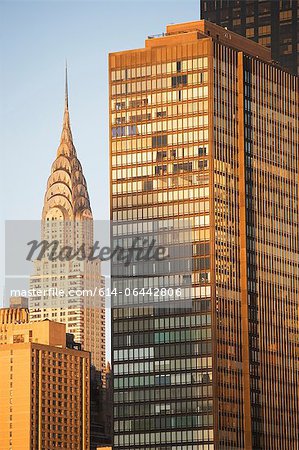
point(120, 105)
point(178, 80)
point(160, 169)
point(132, 130)
point(285, 15)
point(162, 380)
point(118, 131)
point(18, 338)
point(148, 185)
point(250, 19)
point(265, 40)
point(159, 141)
point(264, 30)
point(236, 22)
point(203, 164)
point(250, 32)
point(120, 120)
point(202, 151)
point(161, 155)
point(182, 167)
point(161, 113)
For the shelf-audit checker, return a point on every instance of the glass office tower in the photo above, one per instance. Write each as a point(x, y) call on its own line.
point(204, 126)
point(273, 23)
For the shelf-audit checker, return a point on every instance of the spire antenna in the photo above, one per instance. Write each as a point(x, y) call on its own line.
point(66, 88)
point(66, 134)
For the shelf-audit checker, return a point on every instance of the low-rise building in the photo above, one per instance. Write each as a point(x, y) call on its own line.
point(44, 389)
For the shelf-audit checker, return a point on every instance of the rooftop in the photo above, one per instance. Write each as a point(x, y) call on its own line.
point(202, 29)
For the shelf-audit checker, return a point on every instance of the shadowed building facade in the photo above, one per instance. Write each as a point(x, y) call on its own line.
point(204, 126)
point(67, 219)
point(100, 408)
point(272, 23)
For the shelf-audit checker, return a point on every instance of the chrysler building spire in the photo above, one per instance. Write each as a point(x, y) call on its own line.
point(66, 195)
point(66, 135)
point(66, 105)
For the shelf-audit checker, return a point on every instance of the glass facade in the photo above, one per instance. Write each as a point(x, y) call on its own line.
point(271, 183)
point(160, 169)
point(273, 23)
point(188, 116)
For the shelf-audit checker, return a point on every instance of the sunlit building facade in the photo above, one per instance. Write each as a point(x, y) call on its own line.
point(68, 289)
point(44, 389)
point(273, 23)
point(204, 126)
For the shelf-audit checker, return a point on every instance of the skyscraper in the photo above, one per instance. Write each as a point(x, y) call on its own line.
point(272, 23)
point(44, 389)
point(204, 126)
point(67, 219)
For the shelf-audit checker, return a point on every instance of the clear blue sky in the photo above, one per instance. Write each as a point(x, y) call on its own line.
point(36, 38)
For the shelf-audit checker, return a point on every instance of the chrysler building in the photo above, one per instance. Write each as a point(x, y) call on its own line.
point(70, 287)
